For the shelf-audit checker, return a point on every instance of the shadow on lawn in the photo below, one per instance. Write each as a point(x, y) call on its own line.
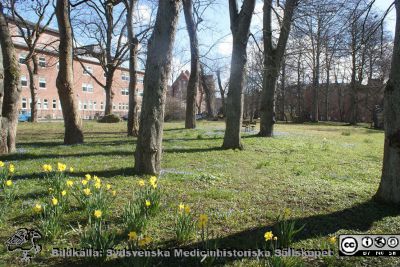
point(360, 217)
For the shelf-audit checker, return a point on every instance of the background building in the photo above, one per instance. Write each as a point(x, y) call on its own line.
point(89, 94)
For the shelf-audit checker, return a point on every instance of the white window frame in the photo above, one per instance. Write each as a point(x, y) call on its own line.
point(24, 101)
point(54, 104)
point(45, 104)
point(42, 62)
point(24, 79)
point(87, 70)
point(41, 79)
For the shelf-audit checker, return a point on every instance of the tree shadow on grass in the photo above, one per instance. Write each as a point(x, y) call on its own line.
point(31, 156)
point(360, 217)
point(192, 150)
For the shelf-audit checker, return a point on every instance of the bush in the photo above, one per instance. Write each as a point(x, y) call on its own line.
point(111, 118)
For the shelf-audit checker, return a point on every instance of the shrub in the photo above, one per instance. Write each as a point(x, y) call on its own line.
point(111, 118)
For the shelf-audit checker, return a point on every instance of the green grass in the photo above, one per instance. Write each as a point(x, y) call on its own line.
point(326, 174)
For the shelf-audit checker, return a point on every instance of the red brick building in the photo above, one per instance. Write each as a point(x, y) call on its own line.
point(90, 95)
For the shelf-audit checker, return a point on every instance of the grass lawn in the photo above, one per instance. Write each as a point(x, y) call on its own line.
point(325, 174)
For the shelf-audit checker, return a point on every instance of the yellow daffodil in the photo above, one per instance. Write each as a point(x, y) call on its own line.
point(96, 179)
point(108, 186)
point(1, 164)
point(71, 169)
point(275, 238)
point(97, 213)
point(148, 203)
point(97, 185)
point(181, 207)
point(203, 219)
point(114, 192)
point(88, 177)
point(51, 189)
point(54, 201)
point(64, 192)
point(47, 168)
point(141, 182)
point(187, 209)
point(153, 181)
point(144, 241)
point(332, 239)
point(9, 183)
point(70, 183)
point(86, 191)
point(61, 167)
point(84, 182)
point(37, 208)
point(11, 168)
point(268, 235)
point(132, 235)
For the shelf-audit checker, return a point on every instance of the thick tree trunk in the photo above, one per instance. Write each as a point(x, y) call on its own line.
point(267, 109)
point(158, 67)
point(10, 91)
point(32, 66)
point(272, 62)
point(193, 84)
point(133, 122)
point(240, 27)
point(72, 121)
point(109, 94)
point(234, 100)
point(389, 189)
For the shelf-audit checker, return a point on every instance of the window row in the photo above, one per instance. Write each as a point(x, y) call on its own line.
point(40, 105)
point(41, 61)
point(42, 82)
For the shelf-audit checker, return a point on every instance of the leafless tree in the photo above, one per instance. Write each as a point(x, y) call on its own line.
point(389, 188)
point(240, 27)
point(158, 66)
point(107, 28)
point(30, 32)
point(72, 121)
point(273, 56)
point(10, 88)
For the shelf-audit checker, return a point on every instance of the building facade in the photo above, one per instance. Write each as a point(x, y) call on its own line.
point(89, 94)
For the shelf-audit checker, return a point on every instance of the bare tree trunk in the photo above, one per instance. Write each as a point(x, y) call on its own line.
point(272, 61)
point(389, 188)
point(158, 67)
point(72, 121)
point(221, 91)
point(109, 93)
point(193, 84)
point(240, 27)
point(10, 91)
point(32, 67)
point(209, 92)
point(133, 120)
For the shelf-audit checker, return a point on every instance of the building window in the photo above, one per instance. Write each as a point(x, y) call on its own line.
point(42, 62)
point(101, 105)
point(24, 103)
point(42, 82)
point(84, 105)
point(119, 106)
point(80, 105)
point(24, 81)
point(94, 105)
point(87, 70)
point(90, 105)
point(114, 107)
point(39, 104)
point(87, 87)
point(45, 104)
point(125, 76)
point(54, 104)
point(124, 91)
point(22, 58)
point(140, 79)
